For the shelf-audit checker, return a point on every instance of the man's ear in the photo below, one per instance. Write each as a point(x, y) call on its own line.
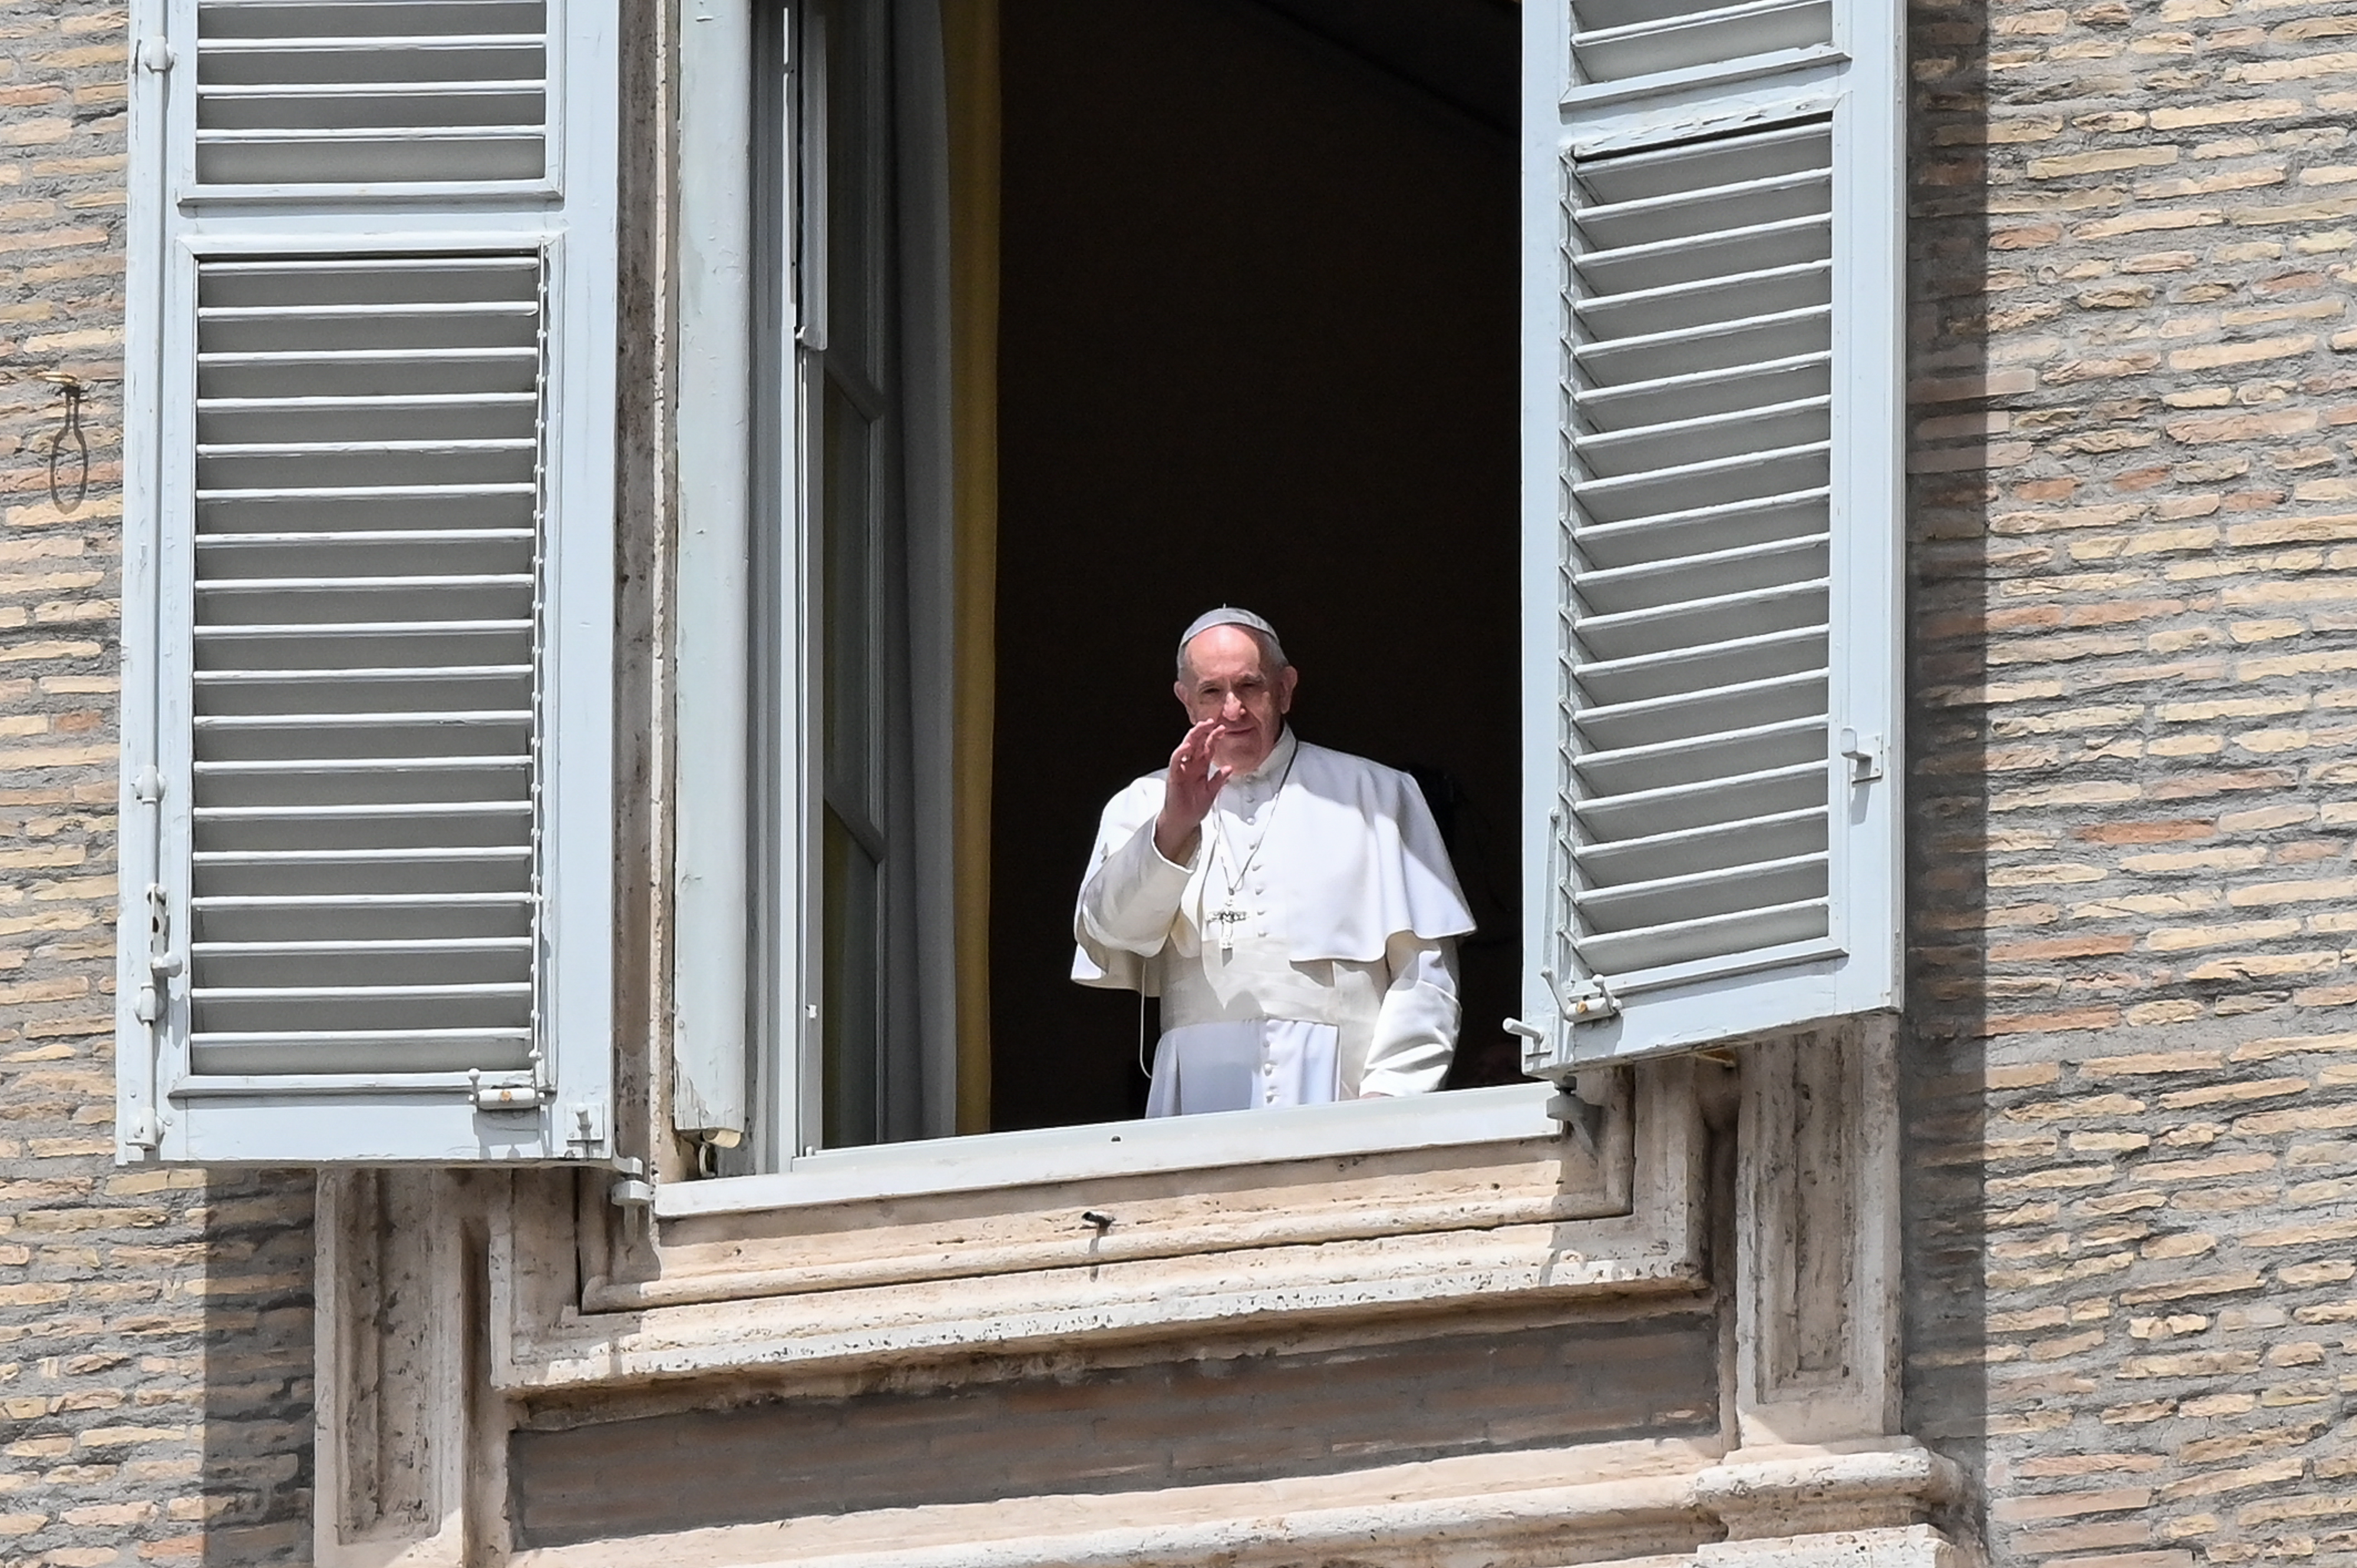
point(1179, 690)
point(1285, 684)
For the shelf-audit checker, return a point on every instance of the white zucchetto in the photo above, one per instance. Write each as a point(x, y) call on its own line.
point(1228, 615)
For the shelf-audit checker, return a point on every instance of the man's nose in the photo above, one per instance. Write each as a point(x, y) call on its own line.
point(1231, 707)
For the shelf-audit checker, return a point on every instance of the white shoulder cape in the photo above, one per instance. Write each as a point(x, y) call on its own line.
point(1352, 855)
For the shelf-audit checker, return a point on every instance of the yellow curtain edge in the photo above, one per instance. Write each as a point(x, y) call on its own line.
point(970, 55)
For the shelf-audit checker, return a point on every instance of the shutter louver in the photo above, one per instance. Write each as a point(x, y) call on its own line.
point(368, 581)
point(1696, 620)
point(357, 92)
point(364, 875)
point(1712, 356)
point(1615, 39)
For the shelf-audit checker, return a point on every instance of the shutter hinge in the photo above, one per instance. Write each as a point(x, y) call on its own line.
point(1865, 755)
point(1580, 1119)
point(1580, 1104)
point(632, 1189)
point(632, 1193)
point(147, 788)
point(143, 1131)
point(155, 55)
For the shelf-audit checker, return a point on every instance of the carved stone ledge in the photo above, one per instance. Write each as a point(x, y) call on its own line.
point(1767, 1494)
point(1632, 1501)
point(828, 1294)
point(1913, 1546)
point(1640, 1505)
point(747, 1250)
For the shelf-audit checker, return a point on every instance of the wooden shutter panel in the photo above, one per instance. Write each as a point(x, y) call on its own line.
point(368, 584)
point(1714, 376)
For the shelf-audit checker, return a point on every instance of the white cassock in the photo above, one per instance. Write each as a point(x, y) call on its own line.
point(1306, 952)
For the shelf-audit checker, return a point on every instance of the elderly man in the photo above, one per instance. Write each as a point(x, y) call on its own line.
point(1293, 906)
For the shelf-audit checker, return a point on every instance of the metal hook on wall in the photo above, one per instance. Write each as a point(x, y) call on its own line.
point(70, 430)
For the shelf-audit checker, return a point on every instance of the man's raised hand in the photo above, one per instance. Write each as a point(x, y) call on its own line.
point(1188, 790)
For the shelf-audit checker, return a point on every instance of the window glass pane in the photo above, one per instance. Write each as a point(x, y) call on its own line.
point(849, 497)
point(854, 179)
point(849, 1016)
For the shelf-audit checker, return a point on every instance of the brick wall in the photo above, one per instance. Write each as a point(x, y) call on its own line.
point(2133, 1193)
point(155, 1328)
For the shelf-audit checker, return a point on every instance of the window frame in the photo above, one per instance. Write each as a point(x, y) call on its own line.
point(980, 1162)
point(977, 1162)
point(722, 197)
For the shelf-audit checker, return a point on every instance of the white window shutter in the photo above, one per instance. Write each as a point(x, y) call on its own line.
point(1712, 219)
point(367, 811)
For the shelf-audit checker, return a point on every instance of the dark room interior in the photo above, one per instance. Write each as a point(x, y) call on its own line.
point(1257, 346)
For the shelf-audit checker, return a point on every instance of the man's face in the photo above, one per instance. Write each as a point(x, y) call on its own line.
point(1224, 682)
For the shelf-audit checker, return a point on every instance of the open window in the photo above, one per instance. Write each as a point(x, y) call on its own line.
point(1195, 280)
point(970, 317)
point(1257, 343)
point(1214, 226)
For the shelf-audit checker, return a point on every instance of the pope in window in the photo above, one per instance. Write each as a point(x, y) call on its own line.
point(1293, 906)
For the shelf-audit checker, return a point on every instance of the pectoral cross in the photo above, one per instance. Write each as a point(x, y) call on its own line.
point(1227, 918)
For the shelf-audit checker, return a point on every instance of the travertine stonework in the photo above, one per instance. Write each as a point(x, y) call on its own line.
point(2131, 1068)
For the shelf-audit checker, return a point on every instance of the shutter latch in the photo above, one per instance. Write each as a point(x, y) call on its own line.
point(162, 962)
point(1865, 754)
point(586, 1141)
point(506, 1093)
point(1588, 1000)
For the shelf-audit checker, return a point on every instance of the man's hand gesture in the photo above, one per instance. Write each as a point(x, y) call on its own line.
point(1188, 790)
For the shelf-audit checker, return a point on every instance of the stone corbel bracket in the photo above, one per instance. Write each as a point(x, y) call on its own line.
point(1817, 1243)
point(411, 1439)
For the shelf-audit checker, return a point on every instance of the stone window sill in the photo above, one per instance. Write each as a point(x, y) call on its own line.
point(841, 1289)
